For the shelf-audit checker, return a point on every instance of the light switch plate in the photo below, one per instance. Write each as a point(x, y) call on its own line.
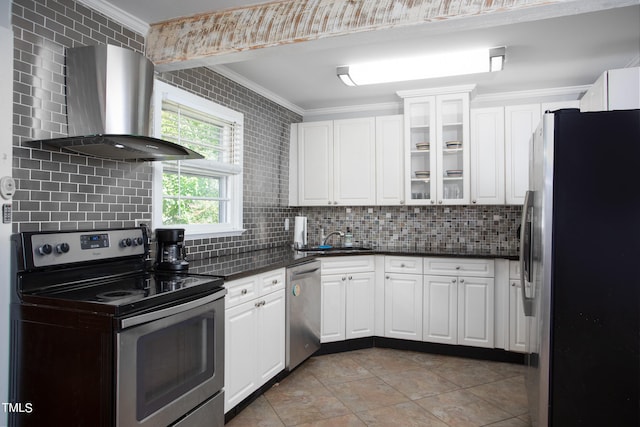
point(6, 213)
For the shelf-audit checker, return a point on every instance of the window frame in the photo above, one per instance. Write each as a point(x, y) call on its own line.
point(233, 227)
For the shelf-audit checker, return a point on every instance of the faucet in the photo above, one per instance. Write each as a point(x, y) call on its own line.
point(340, 233)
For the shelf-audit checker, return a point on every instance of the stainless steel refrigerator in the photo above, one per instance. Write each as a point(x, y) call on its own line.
point(580, 266)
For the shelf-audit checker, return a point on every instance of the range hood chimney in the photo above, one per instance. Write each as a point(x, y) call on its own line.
point(108, 102)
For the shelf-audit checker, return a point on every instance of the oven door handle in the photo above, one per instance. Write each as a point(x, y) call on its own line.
point(170, 311)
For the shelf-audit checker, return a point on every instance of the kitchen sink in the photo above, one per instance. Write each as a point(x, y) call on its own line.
point(335, 249)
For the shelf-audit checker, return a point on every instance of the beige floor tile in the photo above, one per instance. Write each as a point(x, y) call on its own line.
point(258, 414)
point(509, 394)
point(461, 408)
point(336, 368)
point(406, 414)
point(380, 361)
point(506, 369)
point(301, 398)
point(511, 422)
point(467, 372)
point(363, 395)
point(418, 383)
point(344, 421)
point(427, 360)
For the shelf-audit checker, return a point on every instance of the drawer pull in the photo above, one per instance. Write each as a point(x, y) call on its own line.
point(350, 277)
point(453, 280)
point(461, 280)
point(457, 267)
point(243, 292)
point(274, 282)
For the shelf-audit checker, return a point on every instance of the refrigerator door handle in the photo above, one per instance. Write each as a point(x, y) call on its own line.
point(525, 253)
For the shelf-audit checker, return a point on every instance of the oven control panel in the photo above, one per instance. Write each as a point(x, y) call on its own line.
point(58, 248)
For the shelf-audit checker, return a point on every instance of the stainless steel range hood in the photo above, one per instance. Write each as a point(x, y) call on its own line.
point(108, 102)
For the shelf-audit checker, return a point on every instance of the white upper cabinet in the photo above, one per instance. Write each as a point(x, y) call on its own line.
point(614, 90)
point(315, 163)
point(336, 162)
point(437, 148)
point(390, 160)
point(354, 154)
point(520, 123)
point(487, 156)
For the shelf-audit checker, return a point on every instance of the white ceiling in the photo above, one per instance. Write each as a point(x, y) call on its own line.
point(569, 46)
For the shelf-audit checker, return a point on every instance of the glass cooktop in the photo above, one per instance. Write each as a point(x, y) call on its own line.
point(127, 294)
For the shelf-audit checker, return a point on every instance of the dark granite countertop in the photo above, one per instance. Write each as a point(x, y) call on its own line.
point(245, 264)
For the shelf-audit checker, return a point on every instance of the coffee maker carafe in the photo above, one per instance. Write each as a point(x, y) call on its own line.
point(171, 254)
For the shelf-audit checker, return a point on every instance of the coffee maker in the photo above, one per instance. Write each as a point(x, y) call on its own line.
point(171, 254)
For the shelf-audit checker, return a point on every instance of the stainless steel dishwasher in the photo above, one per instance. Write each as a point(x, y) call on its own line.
point(303, 312)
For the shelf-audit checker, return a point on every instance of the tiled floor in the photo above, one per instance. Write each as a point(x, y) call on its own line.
point(385, 387)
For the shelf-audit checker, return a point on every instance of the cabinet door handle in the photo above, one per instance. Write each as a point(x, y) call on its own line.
point(335, 203)
point(461, 280)
point(387, 277)
point(274, 282)
point(243, 292)
point(344, 278)
point(402, 202)
point(440, 202)
point(432, 202)
point(329, 201)
point(402, 265)
point(457, 267)
point(350, 277)
point(453, 280)
point(474, 202)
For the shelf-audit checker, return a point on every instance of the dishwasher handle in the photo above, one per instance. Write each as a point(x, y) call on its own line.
point(297, 274)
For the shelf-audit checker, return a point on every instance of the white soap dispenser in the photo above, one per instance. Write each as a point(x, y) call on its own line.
point(348, 238)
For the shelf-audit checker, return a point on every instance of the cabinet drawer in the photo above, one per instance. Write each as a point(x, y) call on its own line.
point(408, 265)
point(459, 266)
point(347, 264)
point(241, 290)
point(514, 269)
point(272, 281)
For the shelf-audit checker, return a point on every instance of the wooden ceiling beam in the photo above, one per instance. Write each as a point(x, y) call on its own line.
point(196, 40)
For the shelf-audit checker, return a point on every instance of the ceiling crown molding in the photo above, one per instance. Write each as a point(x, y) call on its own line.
point(118, 15)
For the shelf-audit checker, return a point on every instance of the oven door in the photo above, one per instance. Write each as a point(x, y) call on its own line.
point(169, 362)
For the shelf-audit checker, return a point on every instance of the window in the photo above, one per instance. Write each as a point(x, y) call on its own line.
point(202, 196)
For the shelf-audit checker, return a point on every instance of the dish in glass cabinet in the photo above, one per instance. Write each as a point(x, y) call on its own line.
point(454, 173)
point(422, 174)
point(453, 144)
point(422, 146)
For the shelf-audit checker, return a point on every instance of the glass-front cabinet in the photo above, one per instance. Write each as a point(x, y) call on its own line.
point(437, 148)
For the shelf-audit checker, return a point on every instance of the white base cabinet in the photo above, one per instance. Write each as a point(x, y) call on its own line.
point(347, 298)
point(403, 306)
point(254, 325)
point(459, 309)
point(403, 297)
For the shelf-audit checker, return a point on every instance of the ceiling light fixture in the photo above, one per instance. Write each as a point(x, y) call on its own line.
point(424, 67)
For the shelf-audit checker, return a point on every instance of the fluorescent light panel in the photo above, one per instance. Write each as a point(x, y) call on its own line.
point(424, 67)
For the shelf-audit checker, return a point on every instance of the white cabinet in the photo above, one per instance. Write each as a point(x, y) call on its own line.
point(440, 306)
point(403, 306)
point(487, 156)
point(354, 154)
point(403, 297)
point(390, 160)
point(520, 123)
point(332, 314)
point(458, 306)
point(517, 319)
point(315, 163)
point(336, 162)
point(437, 148)
point(254, 324)
point(347, 298)
point(617, 89)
